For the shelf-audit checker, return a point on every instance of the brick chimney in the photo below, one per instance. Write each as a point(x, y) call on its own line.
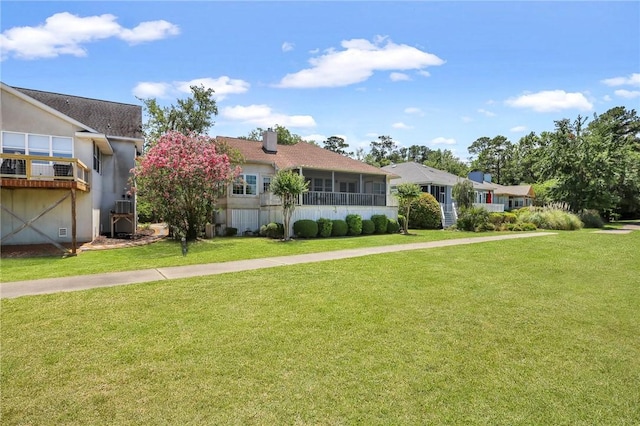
point(270, 141)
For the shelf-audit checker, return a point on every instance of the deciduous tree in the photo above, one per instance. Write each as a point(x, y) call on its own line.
point(191, 115)
point(288, 185)
point(407, 193)
point(182, 176)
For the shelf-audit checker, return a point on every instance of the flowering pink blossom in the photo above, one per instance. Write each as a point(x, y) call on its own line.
point(182, 177)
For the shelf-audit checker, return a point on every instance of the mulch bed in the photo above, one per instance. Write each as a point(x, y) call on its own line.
point(101, 242)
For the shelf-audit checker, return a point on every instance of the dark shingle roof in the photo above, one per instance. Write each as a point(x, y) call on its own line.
point(302, 154)
point(109, 118)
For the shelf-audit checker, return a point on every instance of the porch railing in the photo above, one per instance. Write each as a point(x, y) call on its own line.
point(37, 167)
point(490, 207)
point(317, 198)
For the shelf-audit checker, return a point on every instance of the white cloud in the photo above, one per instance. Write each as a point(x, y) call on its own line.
point(314, 137)
point(629, 94)
point(314, 51)
point(401, 125)
point(606, 98)
point(264, 116)
point(372, 135)
point(66, 34)
point(222, 86)
point(551, 101)
point(414, 111)
point(631, 80)
point(424, 73)
point(287, 46)
point(518, 129)
point(358, 60)
point(147, 89)
point(399, 76)
point(466, 119)
point(486, 113)
point(443, 141)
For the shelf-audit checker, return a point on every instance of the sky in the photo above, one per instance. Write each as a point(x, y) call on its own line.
point(439, 74)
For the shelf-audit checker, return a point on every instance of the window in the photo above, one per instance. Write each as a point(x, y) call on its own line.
point(378, 188)
point(266, 183)
point(348, 187)
point(97, 158)
point(438, 193)
point(42, 145)
point(321, 185)
point(245, 185)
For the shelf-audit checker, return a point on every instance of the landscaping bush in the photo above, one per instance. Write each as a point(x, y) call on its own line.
point(354, 224)
point(498, 219)
point(474, 219)
point(272, 230)
point(591, 219)
point(550, 218)
point(528, 226)
point(368, 227)
point(425, 213)
point(324, 227)
point(340, 228)
point(230, 232)
point(393, 227)
point(380, 221)
point(305, 228)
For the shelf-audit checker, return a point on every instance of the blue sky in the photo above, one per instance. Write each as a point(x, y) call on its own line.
point(440, 74)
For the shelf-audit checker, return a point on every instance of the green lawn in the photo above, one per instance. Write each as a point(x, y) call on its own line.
point(532, 331)
point(169, 253)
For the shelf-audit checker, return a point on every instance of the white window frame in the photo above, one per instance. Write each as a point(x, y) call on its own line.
point(241, 182)
point(266, 183)
point(27, 150)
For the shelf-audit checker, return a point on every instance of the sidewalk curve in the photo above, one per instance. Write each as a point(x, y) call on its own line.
point(84, 282)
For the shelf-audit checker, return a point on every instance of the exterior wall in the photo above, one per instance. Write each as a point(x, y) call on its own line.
point(115, 184)
point(93, 208)
point(28, 203)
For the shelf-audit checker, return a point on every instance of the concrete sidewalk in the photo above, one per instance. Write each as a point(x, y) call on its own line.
point(83, 282)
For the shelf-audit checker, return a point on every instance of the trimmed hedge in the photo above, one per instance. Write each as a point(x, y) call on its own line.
point(393, 227)
point(340, 228)
point(305, 228)
point(381, 223)
point(368, 227)
point(354, 224)
point(324, 227)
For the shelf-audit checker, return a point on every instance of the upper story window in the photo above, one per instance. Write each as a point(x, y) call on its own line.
point(245, 184)
point(321, 185)
point(32, 144)
point(266, 183)
point(97, 158)
point(379, 188)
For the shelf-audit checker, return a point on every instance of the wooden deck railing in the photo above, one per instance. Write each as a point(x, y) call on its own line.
point(317, 198)
point(37, 167)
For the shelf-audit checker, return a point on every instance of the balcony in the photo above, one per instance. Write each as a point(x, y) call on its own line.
point(316, 198)
point(33, 171)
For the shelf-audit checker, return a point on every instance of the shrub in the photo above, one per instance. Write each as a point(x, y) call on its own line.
point(354, 224)
point(425, 213)
point(324, 227)
point(368, 227)
point(230, 232)
point(380, 221)
point(528, 226)
point(591, 219)
point(474, 219)
point(550, 218)
point(393, 227)
point(272, 230)
point(339, 228)
point(305, 228)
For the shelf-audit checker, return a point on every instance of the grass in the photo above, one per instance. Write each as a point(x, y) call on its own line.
point(533, 331)
point(169, 253)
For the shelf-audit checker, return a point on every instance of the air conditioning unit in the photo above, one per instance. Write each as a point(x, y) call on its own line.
point(123, 207)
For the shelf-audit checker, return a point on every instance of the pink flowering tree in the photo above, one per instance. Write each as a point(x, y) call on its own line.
point(182, 177)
